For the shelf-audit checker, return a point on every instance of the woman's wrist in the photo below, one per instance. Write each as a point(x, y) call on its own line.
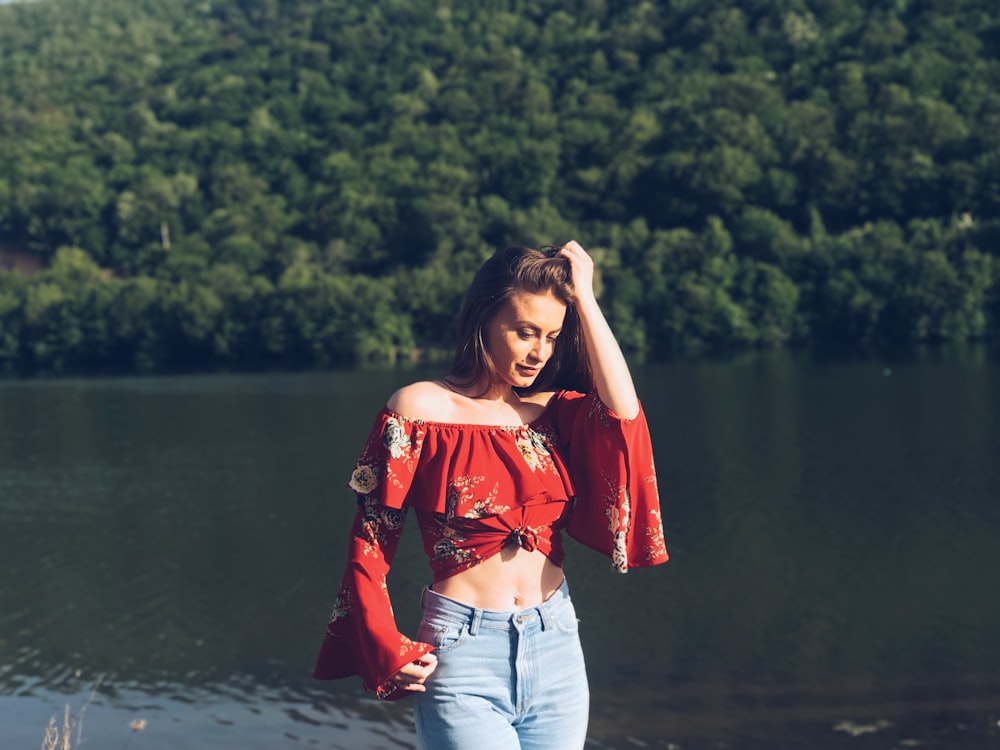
point(587, 307)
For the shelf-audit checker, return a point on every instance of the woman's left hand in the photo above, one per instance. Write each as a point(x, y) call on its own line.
point(581, 267)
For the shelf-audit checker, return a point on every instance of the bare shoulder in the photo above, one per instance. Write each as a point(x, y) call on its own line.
point(425, 399)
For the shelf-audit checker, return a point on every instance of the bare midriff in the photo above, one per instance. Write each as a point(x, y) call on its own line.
point(513, 580)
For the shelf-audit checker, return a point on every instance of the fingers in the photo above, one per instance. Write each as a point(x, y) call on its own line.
point(580, 263)
point(412, 676)
point(574, 251)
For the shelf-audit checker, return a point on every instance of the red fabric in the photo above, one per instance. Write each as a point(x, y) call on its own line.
point(475, 489)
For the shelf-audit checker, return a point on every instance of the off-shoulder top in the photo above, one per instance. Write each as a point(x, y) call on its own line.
point(476, 489)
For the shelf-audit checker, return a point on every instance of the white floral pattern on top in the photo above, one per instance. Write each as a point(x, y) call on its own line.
point(394, 438)
point(533, 449)
point(363, 480)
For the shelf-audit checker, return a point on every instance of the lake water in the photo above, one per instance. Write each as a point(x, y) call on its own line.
point(170, 547)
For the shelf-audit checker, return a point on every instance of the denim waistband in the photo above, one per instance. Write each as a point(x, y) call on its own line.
point(439, 605)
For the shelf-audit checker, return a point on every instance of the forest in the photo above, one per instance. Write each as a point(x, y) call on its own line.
point(194, 184)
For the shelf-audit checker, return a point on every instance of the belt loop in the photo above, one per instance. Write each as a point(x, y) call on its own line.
point(477, 616)
point(544, 614)
point(547, 609)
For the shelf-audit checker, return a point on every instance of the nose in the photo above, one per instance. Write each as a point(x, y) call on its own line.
point(542, 350)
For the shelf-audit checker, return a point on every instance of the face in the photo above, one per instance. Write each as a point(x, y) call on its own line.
point(522, 336)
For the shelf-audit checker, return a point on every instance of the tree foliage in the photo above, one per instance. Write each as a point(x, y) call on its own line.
point(257, 183)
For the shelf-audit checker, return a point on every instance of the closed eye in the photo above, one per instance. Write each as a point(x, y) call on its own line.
point(530, 333)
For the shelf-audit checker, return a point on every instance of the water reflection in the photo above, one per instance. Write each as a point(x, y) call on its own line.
point(830, 525)
point(232, 715)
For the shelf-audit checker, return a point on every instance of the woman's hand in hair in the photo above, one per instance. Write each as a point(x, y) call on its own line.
point(581, 267)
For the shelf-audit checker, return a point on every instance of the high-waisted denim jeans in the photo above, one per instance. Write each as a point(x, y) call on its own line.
point(504, 680)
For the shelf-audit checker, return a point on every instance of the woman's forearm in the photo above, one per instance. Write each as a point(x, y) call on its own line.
point(612, 377)
point(607, 363)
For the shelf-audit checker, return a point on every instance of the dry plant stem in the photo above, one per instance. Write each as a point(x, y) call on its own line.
point(51, 738)
point(67, 729)
point(83, 709)
point(56, 740)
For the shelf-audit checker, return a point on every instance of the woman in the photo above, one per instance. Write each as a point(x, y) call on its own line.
point(536, 429)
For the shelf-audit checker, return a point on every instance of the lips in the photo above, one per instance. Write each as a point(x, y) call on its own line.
point(528, 372)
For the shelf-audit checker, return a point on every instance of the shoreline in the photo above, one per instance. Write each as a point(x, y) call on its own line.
point(244, 716)
point(963, 714)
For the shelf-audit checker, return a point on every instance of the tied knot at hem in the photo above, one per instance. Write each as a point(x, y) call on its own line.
point(524, 537)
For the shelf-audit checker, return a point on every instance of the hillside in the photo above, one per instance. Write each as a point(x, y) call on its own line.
point(299, 183)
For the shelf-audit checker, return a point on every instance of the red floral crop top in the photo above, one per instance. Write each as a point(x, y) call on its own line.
point(476, 489)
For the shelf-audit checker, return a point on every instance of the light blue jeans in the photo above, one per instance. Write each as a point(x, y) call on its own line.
point(504, 680)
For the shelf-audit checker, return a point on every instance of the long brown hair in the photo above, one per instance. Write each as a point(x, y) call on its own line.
point(508, 271)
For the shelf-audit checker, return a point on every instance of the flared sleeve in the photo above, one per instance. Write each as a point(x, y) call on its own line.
point(617, 508)
point(361, 637)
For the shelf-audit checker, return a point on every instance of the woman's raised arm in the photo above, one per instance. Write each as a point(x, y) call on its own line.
point(607, 363)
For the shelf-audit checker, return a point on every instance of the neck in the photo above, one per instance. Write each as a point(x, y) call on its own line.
point(499, 393)
point(502, 395)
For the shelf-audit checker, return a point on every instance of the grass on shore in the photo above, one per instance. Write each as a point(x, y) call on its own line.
point(69, 733)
